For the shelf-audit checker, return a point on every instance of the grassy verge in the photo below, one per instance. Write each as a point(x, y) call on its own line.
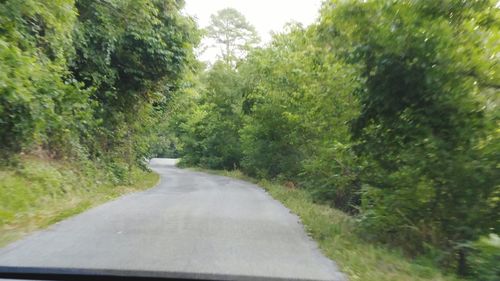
point(334, 231)
point(41, 192)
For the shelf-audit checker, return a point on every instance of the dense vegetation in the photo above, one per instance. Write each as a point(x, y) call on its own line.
point(81, 84)
point(39, 192)
point(334, 232)
point(85, 79)
point(387, 110)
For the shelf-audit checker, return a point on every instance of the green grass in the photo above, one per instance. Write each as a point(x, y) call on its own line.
point(334, 231)
point(41, 192)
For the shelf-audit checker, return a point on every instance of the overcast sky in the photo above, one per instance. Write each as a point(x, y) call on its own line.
point(265, 15)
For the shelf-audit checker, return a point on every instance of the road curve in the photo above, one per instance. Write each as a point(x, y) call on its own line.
point(191, 222)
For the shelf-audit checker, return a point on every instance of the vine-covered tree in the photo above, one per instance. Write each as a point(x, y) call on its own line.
point(132, 54)
point(77, 77)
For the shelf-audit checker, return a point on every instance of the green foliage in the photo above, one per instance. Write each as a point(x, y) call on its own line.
point(422, 118)
point(126, 49)
point(89, 79)
point(210, 138)
point(39, 192)
point(334, 232)
point(485, 258)
point(83, 84)
point(385, 109)
point(298, 101)
point(232, 34)
point(39, 104)
point(131, 54)
point(272, 130)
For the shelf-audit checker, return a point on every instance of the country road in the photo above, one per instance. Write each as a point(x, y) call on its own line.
point(191, 222)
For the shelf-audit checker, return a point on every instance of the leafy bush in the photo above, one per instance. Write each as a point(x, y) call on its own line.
point(82, 79)
point(210, 138)
point(39, 104)
point(422, 118)
point(485, 258)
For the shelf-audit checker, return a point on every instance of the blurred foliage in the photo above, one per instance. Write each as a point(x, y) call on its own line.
point(485, 257)
point(132, 54)
point(427, 178)
point(89, 79)
point(334, 230)
point(387, 110)
point(232, 34)
point(38, 99)
point(38, 192)
point(210, 132)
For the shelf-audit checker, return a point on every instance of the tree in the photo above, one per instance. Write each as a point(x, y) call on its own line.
point(210, 134)
point(40, 105)
point(84, 79)
point(232, 34)
point(298, 99)
point(132, 54)
point(384, 109)
point(421, 129)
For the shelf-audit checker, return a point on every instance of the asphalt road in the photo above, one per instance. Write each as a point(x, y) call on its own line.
point(191, 222)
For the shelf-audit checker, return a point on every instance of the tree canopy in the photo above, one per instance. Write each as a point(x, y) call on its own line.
point(80, 78)
point(232, 33)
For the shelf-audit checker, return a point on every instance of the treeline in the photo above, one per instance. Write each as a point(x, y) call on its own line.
point(89, 79)
point(387, 110)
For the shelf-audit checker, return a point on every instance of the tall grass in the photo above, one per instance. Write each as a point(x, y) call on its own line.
point(335, 233)
point(39, 192)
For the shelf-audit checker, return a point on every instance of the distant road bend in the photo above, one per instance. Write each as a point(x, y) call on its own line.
point(192, 223)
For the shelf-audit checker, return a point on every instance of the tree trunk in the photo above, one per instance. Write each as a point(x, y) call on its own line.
point(129, 153)
point(462, 263)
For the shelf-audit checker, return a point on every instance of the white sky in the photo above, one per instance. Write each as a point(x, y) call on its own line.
point(265, 15)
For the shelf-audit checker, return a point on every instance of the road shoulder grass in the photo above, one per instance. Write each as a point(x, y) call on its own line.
point(40, 192)
point(334, 231)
